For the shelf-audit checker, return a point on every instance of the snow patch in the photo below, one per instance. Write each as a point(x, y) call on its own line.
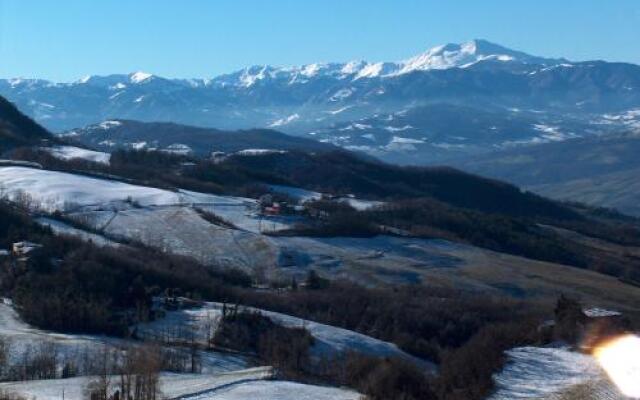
point(178, 149)
point(109, 124)
point(600, 312)
point(338, 111)
point(139, 77)
point(341, 94)
point(73, 153)
point(403, 140)
point(258, 152)
point(285, 121)
point(356, 126)
point(537, 372)
point(398, 129)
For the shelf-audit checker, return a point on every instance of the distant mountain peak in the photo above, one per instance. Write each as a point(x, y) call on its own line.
point(454, 55)
point(139, 77)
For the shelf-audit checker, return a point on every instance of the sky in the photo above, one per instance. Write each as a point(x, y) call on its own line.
point(64, 40)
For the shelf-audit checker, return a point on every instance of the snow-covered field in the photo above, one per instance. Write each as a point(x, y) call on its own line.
point(547, 372)
point(181, 230)
point(76, 153)
point(277, 390)
point(250, 384)
point(600, 389)
point(58, 190)
point(21, 338)
point(172, 385)
point(330, 341)
point(61, 228)
point(391, 259)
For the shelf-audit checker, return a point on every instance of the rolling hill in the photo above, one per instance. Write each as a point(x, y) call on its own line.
point(16, 129)
point(123, 134)
point(601, 171)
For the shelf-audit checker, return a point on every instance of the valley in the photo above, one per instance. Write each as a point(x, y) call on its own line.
point(462, 224)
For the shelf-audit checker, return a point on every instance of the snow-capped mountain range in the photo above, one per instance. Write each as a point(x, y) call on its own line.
point(390, 109)
point(438, 58)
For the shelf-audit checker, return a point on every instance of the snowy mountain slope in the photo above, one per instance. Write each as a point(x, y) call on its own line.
point(536, 372)
point(467, 54)
point(597, 389)
point(155, 217)
point(54, 190)
point(181, 230)
point(330, 341)
point(63, 229)
point(59, 191)
point(437, 133)
point(552, 373)
point(438, 58)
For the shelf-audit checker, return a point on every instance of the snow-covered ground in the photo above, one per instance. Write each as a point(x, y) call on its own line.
point(172, 385)
point(73, 153)
point(393, 259)
point(66, 192)
point(21, 338)
point(600, 389)
point(181, 230)
point(330, 341)
point(362, 205)
point(277, 390)
point(540, 372)
point(61, 228)
point(58, 190)
point(247, 384)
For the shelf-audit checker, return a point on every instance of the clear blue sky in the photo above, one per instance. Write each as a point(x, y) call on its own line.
point(64, 40)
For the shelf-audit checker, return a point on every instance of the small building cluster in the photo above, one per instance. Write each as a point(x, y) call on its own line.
point(22, 249)
point(20, 252)
point(270, 207)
